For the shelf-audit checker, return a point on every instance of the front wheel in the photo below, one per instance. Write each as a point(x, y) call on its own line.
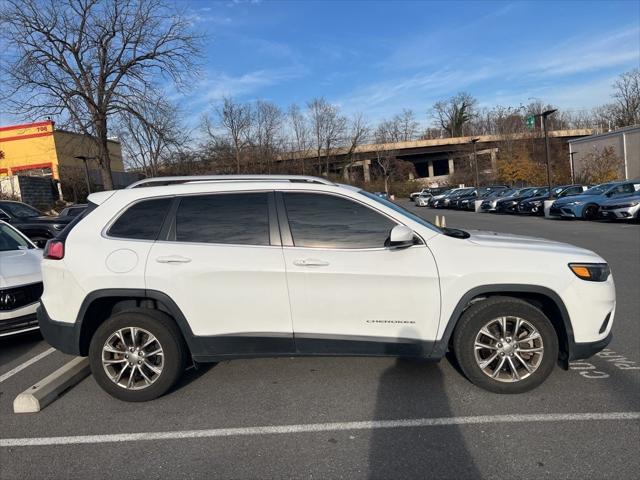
point(590, 212)
point(505, 345)
point(137, 355)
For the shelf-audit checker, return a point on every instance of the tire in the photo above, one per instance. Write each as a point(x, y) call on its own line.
point(477, 317)
point(590, 212)
point(146, 383)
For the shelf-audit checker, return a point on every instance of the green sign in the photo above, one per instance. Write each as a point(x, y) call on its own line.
point(531, 121)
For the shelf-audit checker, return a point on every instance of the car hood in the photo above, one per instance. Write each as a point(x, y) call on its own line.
point(506, 240)
point(20, 267)
point(622, 199)
point(573, 198)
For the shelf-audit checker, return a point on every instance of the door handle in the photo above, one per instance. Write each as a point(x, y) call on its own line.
point(310, 262)
point(173, 259)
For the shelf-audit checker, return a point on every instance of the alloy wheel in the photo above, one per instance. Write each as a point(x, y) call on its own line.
point(132, 358)
point(508, 349)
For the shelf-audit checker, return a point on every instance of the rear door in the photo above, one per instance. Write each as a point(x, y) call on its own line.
point(350, 294)
point(222, 264)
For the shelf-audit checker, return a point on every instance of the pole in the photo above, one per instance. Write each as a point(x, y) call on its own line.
point(86, 174)
point(475, 161)
point(573, 174)
point(546, 150)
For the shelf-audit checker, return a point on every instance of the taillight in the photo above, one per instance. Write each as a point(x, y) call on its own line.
point(54, 250)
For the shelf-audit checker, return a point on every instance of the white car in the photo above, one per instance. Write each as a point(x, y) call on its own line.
point(422, 200)
point(215, 268)
point(20, 281)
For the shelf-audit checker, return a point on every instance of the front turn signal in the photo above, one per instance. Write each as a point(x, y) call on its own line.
point(592, 272)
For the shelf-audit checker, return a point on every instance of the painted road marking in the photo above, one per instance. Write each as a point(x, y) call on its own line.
point(317, 427)
point(22, 366)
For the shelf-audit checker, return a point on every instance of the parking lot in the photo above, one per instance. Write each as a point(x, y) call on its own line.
point(348, 417)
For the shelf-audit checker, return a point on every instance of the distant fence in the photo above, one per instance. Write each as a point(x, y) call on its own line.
point(41, 192)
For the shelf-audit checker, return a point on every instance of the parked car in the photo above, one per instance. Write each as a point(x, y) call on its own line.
point(510, 204)
point(423, 199)
point(489, 203)
point(446, 200)
point(587, 205)
point(440, 196)
point(73, 210)
point(226, 268)
point(535, 205)
point(20, 281)
point(428, 191)
point(467, 201)
point(32, 222)
point(625, 207)
point(415, 195)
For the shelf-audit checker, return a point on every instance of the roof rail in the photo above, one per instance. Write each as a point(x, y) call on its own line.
point(161, 181)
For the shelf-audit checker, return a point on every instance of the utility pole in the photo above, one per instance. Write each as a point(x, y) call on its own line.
point(543, 117)
point(86, 169)
point(475, 160)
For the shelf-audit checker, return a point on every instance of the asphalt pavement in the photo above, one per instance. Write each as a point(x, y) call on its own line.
point(348, 417)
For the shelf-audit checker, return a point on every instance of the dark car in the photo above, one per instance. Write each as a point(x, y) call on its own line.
point(445, 202)
point(467, 201)
point(489, 202)
point(73, 210)
point(535, 205)
point(32, 222)
point(510, 204)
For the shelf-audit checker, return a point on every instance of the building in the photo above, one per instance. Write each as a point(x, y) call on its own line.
point(41, 150)
point(625, 142)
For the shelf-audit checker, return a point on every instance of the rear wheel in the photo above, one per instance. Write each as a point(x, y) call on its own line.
point(505, 345)
point(137, 355)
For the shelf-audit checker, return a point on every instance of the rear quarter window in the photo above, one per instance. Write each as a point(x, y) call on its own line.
point(142, 220)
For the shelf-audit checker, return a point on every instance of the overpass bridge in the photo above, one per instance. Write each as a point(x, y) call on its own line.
point(434, 159)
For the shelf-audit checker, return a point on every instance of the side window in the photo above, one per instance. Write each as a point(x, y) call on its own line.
point(142, 221)
point(237, 218)
point(327, 221)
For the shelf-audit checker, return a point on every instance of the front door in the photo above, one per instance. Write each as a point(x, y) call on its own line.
point(349, 293)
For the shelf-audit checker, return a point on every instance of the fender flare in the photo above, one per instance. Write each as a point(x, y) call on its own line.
point(440, 347)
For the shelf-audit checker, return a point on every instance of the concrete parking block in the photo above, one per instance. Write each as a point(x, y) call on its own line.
point(41, 394)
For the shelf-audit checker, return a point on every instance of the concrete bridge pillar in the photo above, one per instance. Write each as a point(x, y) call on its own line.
point(366, 171)
point(451, 169)
point(430, 168)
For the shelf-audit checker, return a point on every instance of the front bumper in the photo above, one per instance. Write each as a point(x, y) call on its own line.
point(579, 351)
point(20, 320)
point(60, 335)
point(625, 213)
point(530, 208)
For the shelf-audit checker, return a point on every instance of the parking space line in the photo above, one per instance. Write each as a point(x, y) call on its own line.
point(22, 366)
point(318, 427)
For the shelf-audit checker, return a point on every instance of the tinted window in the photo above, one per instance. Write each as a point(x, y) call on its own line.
point(624, 188)
point(142, 220)
point(332, 222)
point(239, 218)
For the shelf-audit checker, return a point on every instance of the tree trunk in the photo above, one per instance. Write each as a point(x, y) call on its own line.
point(104, 159)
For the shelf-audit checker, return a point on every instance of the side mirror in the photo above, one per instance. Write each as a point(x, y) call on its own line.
point(400, 237)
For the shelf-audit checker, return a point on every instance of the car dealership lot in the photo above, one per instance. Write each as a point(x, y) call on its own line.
point(313, 401)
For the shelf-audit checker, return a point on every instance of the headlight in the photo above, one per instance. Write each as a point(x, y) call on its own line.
point(592, 272)
point(571, 204)
point(628, 205)
point(537, 203)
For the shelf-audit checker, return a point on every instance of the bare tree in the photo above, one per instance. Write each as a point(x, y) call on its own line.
point(301, 134)
point(152, 136)
point(91, 60)
point(601, 165)
point(454, 113)
point(235, 120)
point(626, 99)
point(358, 132)
point(267, 136)
point(401, 128)
point(328, 128)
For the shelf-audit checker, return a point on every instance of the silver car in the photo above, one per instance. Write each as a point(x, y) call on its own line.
point(622, 208)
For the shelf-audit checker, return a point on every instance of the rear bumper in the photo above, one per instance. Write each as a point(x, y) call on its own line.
point(578, 351)
point(60, 335)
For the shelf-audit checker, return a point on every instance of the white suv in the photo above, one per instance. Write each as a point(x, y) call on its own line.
point(216, 268)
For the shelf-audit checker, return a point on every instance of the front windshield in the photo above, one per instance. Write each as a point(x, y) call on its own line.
point(19, 210)
point(12, 240)
point(598, 189)
point(399, 209)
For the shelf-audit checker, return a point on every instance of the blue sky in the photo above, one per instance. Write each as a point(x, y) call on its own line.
point(379, 57)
